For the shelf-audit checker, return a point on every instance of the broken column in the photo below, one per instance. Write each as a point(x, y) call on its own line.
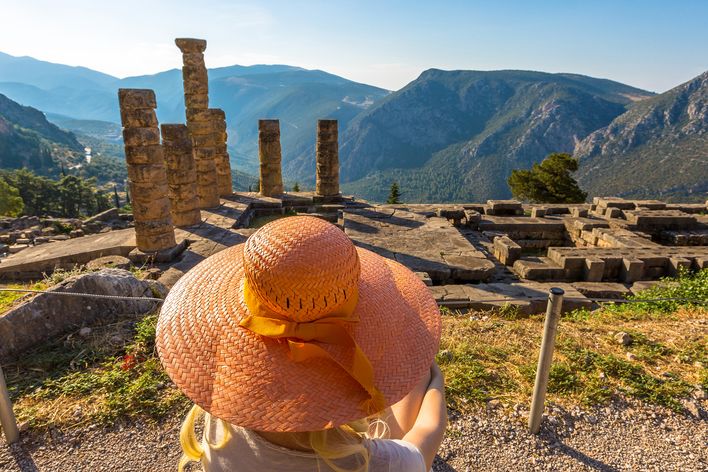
point(223, 165)
point(327, 157)
point(269, 155)
point(181, 175)
point(204, 143)
point(199, 123)
point(194, 75)
point(147, 176)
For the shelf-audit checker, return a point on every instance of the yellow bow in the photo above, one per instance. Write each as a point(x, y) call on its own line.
point(330, 330)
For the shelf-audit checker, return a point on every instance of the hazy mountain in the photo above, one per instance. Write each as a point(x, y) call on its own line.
point(27, 139)
point(657, 149)
point(456, 135)
point(296, 96)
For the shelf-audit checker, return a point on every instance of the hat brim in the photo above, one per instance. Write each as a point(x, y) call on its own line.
point(249, 380)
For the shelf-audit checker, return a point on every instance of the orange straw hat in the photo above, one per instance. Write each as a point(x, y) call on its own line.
point(297, 330)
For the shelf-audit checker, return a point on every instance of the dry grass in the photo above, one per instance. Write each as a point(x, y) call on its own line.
point(486, 356)
point(111, 373)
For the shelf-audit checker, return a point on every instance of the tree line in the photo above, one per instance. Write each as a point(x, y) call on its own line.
point(22, 192)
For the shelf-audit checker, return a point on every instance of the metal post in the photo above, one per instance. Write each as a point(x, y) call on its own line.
point(7, 416)
point(553, 311)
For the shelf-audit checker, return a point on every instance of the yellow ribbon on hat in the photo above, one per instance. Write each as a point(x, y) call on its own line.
point(329, 330)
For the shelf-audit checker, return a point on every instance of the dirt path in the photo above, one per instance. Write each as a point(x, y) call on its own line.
point(617, 438)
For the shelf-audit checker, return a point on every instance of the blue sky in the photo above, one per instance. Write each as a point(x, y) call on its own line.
point(650, 44)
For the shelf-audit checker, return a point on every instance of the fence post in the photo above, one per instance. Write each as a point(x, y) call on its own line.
point(553, 311)
point(7, 416)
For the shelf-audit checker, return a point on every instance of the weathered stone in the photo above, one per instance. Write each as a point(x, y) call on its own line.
point(141, 136)
point(269, 154)
point(146, 172)
point(135, 99)
point(327, 158)
point(538, 212)
point(506, 250)
point(115, 262)
point(144, 155)
point(182, 182)
point(34, 321)
point(594, 269)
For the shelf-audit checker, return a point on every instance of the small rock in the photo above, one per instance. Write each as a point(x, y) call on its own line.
point(699, 393)
point(85, 332)
point(623, 338)
point(692, 408)
point(23, 426)
point(631, 357)
point(446, 355)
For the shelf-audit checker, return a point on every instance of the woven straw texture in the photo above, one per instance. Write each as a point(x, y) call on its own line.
point(249, 380)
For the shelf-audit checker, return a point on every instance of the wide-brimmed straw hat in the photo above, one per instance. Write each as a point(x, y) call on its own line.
point(297, 330)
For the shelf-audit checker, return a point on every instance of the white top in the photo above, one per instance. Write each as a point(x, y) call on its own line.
point(247, 451)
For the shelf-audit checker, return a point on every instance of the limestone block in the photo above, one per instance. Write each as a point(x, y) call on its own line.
point(186, 218)
point(506, 250)
point(196, 99)
point(631, 270)
point(191, 45)
point(579, 213)
point(147, 192)
point(147, 173)
point(155, 242)
point(676, 264)
point(594, 269)
point(138, 118)
point(141, 136)
point(602, 290)
point(136, 98)
point(136, 155)
point(538, 212)
point(157, 209)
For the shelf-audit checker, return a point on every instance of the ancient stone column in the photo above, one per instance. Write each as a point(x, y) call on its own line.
point(204, 144)
point(269, 155)
point(194, 75)
point(327, 158)
point(147, 176)
point(181, 174)
point(223, 164)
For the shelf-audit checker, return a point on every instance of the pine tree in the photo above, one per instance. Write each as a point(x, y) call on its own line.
point(548, 182)
point(394, 196)
point(10, 200)
point(296, 187)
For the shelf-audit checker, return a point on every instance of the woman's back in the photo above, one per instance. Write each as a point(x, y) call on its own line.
point(247, 451)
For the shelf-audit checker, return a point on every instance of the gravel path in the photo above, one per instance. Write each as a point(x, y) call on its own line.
point(620, 437)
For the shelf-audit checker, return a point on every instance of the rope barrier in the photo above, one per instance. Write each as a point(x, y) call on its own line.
point(484, 300)
point(79, 294)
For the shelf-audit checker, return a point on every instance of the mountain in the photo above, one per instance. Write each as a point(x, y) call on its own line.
point(657, 149)
point(457, 135)
point(27, 139)
point(296, 96)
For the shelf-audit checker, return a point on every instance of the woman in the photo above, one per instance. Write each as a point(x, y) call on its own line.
point(295, 343)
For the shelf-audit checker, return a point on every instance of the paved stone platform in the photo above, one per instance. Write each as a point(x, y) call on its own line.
point(419, 240)
point(33, 262)
point(529, 297)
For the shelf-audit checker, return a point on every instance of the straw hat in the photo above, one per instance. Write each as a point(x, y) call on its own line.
point(297, 330)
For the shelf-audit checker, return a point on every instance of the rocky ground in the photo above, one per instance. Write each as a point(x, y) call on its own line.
point(623, 436)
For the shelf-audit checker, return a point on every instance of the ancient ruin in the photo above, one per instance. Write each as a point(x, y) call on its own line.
point(327, 159)
point(269, 155)
point(221, 158)
point(181, 174)
point(147, 174)
point(483, 255)
point(200, 120)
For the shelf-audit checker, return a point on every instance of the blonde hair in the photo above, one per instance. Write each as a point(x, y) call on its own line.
point(330, 444)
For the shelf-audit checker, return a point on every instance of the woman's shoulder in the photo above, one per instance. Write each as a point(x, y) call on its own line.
point(394, 455)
